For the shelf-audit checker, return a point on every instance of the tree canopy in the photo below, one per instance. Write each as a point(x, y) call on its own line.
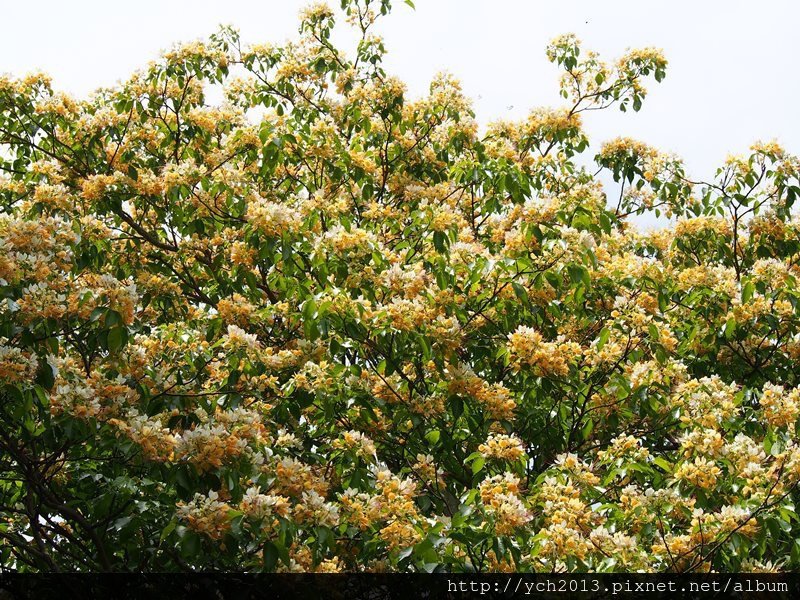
point(319, 325)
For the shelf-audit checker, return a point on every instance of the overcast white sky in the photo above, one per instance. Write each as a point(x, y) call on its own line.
point(732, 77)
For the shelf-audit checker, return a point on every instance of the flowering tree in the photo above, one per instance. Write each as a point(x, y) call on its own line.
point(322, 326)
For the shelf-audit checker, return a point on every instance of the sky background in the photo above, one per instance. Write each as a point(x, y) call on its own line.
point(732, 77)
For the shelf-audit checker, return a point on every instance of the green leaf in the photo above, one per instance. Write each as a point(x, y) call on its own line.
point(603, 338)
point(520, 291)
point(168, 530)
point(112, 318)
point(45, 376)
point(117, 338)
point(579, 274)
point(730, 328)
point(271, 556)
point(440, 241)
point(457, 407)
point(191, 544)
point(747, 291)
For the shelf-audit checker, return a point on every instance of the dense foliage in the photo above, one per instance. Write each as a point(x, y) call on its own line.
point(319, 325)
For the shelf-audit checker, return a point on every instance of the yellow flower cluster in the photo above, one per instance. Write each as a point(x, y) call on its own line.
point(272, 218)
point(358, 442)
point(354, 241)
point(624, 448)
point(527, 347)
point(260, 506)
point(425, 468)
point(293, 478)
point(206, 514)
point(496, 399)
point(700, 472)
point(499, 446)
point(708, 442)
point(781, 408)
point(156, 441)
point(500, 496)
point(702, 225)
point(314, 510)
point(393, 505)
point(708, 402)
point(236, 310)
point(208, 446)
point(16, 365)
